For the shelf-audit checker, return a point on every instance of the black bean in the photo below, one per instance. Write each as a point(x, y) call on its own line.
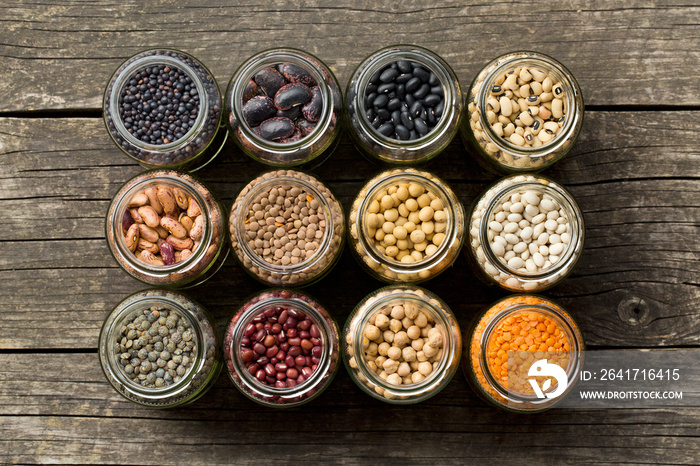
point(407, 120)
point(276, 128)
point(415, 109)
point(375, 76)
point(368, 90)
point(421, 127)
point(297, 74)
point(313, 108)
point(386, 88)
point(258, 109)
point(432, 119)
point(422, 92)
point(292, 94)
point(402, 132)
point(432, 99)
point(413, 84)
point(409, 99)
point(394, 104)
point(377, 123)
point(396, 117)
point(439, 108)
point(270, 80)
point(384, 114)
point(434, 80)
point(380, 101)
point(437, 90)
point(388, 75)
point(404, 66)
point(387, 129)
point(421, 73)
point(391, 95)
point(403, 79)
point(401, 91)
point(370, 99)
point(413, 134)
point(371, 114)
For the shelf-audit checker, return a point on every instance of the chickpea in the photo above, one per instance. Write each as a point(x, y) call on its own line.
point(395, 353)
point(372, 349)
point(388, 336)
point(406, 323)
point(421, 320)
point(395, 325)
point(417, 377)
point(401, 339)
point(425, 368)
point(372, 332)
point(417, 344)
point(381, 321)
point(397, 312)
point(411, 310)
point(404, 369)
point(409, 354)
point(391, 366)
point(429, 351)
point(394, 379)
point(383, 348)
point(413, 332)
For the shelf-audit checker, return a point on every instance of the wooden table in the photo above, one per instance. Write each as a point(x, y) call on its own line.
point(635, 171)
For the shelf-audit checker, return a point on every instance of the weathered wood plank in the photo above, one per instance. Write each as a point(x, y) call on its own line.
point(638, 189)
point(631, 53)
point(58, 408)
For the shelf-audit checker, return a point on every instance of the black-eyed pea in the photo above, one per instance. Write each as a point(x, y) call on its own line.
point(151, 193)
point(167, 199)
point(383, 348)
point(557, 108)
point(394, 353)
point(138, 200)
point(132, 237)
point(149, 215)
point(546, 97)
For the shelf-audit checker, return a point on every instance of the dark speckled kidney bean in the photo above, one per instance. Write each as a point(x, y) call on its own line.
point(258, 109)
point(251, 90)
point(296, 74)
point(305, 127)
point(291, 95)
point(312, 109)
point(270, 80)
point(276, 128)
point(410, 89)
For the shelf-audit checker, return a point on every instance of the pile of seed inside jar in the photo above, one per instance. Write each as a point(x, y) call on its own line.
point(285, 225)
point(282, 103)
point(404, 100)
point(526, 107)
point(159, 104)
point(529, 231)
point(281, 347)
point(156, 347)
point(402, 344)
point(518, 341)
point(162, 225)
point(406, 222)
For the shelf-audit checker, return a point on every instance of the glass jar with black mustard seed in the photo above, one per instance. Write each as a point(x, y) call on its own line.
point(281, 348)
point(524, 112)
point(526, 233)
point(287, 228)
point(403, 105)
point(524, 354)
point(283, 108)
point(162, 108)
point(406, 226)
point(158, 349)
point(402, 344)
point(166, 228)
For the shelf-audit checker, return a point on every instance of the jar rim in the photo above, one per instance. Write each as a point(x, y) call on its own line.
point(245, 72)
point(551, 310)
point(247, 201)
point(140, 61)
point(299, 303)
point(119, 205)
point(370, 305)
point(562, 196)
point(439, 188)
point(511, 60)
point(135, 303)
point(423, 56)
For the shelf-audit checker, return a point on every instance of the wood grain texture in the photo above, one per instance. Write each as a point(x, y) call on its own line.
point(634, 174)
point(54, 415)
point(60, 56)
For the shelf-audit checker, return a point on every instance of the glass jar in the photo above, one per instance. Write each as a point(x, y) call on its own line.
point(182, 212)
point(437, 247)
point(414, 324)
point(287, 228)
point(182, 129)
point(306, 130)
point(158, 349)
point(440, 113)
point(530, 245)
point(263, 359)
point(501, 353)
point(546, 121)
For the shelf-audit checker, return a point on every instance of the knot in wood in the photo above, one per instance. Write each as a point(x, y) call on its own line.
point(634, 311)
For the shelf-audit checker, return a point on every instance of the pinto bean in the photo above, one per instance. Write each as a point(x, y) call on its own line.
point(167, 198)
point(180, 243)
point(162, 232)
point(197, 228)
point(180, 198)
point(184, 254)
point(167, 252)
point(149, 258)
point(149, 215)
point(192, 208)
point(138, 200)
point(132, 237)
point(148, 233)
point(174, 227)
point(186, 221)
point(135, 215)
point(153, 200)
point(148, 246)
